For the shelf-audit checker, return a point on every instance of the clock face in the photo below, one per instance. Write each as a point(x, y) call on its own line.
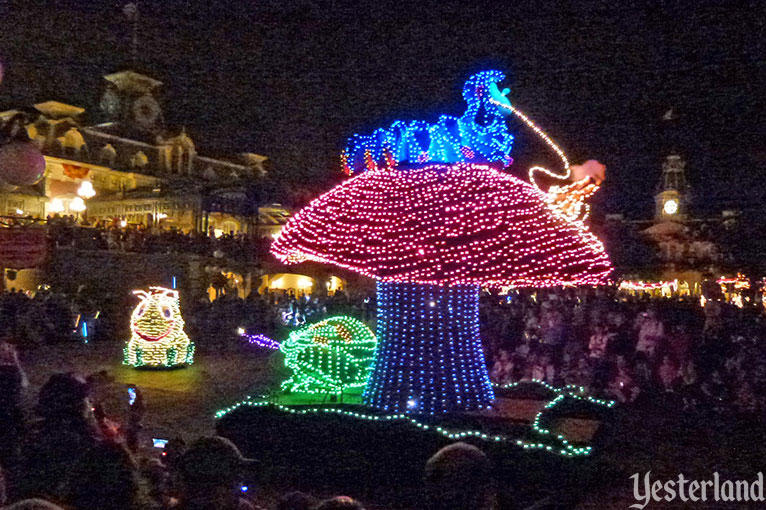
point(146, 111)
point(670, 206)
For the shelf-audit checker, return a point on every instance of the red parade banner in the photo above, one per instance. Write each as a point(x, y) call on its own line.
point(22, 247)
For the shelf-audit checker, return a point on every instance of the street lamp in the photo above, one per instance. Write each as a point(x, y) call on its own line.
point(57, 205)
point(158, 219)
point(77, 205)
point(86, 190)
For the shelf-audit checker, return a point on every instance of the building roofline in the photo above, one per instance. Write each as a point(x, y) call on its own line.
point(131, 79)
point(93, 131)
point(58, 109)
point(221, 161)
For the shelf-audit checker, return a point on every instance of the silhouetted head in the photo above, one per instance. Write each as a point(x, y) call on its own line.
point(64, 397)
point(296, 501)
point(104, 477)
point(213, 462)
point(459, 477)
point(340, 503)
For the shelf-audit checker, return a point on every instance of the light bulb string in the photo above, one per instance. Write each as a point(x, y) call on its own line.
point(529, 122)
point(557, 443)
point(582, 189)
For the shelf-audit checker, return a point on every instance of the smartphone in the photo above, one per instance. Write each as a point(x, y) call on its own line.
point(131, 395)
point(159, 443)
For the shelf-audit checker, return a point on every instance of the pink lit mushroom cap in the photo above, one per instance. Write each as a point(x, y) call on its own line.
point(444, 224)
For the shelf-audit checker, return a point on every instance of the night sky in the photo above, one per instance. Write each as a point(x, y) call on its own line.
point(293, 79)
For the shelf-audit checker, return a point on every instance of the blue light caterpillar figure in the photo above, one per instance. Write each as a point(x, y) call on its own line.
point(480, 135)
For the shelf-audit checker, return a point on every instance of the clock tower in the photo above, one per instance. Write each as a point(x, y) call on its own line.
point(671, 198)
point(672, 191)
point(129, 99)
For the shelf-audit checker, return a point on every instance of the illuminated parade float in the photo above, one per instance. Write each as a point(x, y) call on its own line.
point(329, 357)
point(432, 216)
point(157, 337)
point(431, 213)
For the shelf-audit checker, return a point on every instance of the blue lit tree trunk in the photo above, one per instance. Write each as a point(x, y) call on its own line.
point(429, 357)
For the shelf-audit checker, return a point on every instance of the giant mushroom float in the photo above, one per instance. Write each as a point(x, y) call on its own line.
point(430, 215)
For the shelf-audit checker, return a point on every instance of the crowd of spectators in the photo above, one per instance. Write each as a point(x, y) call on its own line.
point(67, 231)
point(40, 317)
point(73, 455)
point(630, 349)
point(47, 317)
point(615, 346)
point(273, 313)
point(619, 347)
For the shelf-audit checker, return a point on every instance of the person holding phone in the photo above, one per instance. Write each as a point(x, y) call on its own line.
point(135, 417)
point(118, 408)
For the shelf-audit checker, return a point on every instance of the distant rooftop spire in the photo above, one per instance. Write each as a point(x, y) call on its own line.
point(673, 174)
point(131, 12)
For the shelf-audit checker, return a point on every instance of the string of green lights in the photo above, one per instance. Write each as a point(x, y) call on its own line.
point(570, 390)
point(564, 448)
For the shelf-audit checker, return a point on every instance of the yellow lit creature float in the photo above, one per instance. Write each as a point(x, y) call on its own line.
point(157, 331)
